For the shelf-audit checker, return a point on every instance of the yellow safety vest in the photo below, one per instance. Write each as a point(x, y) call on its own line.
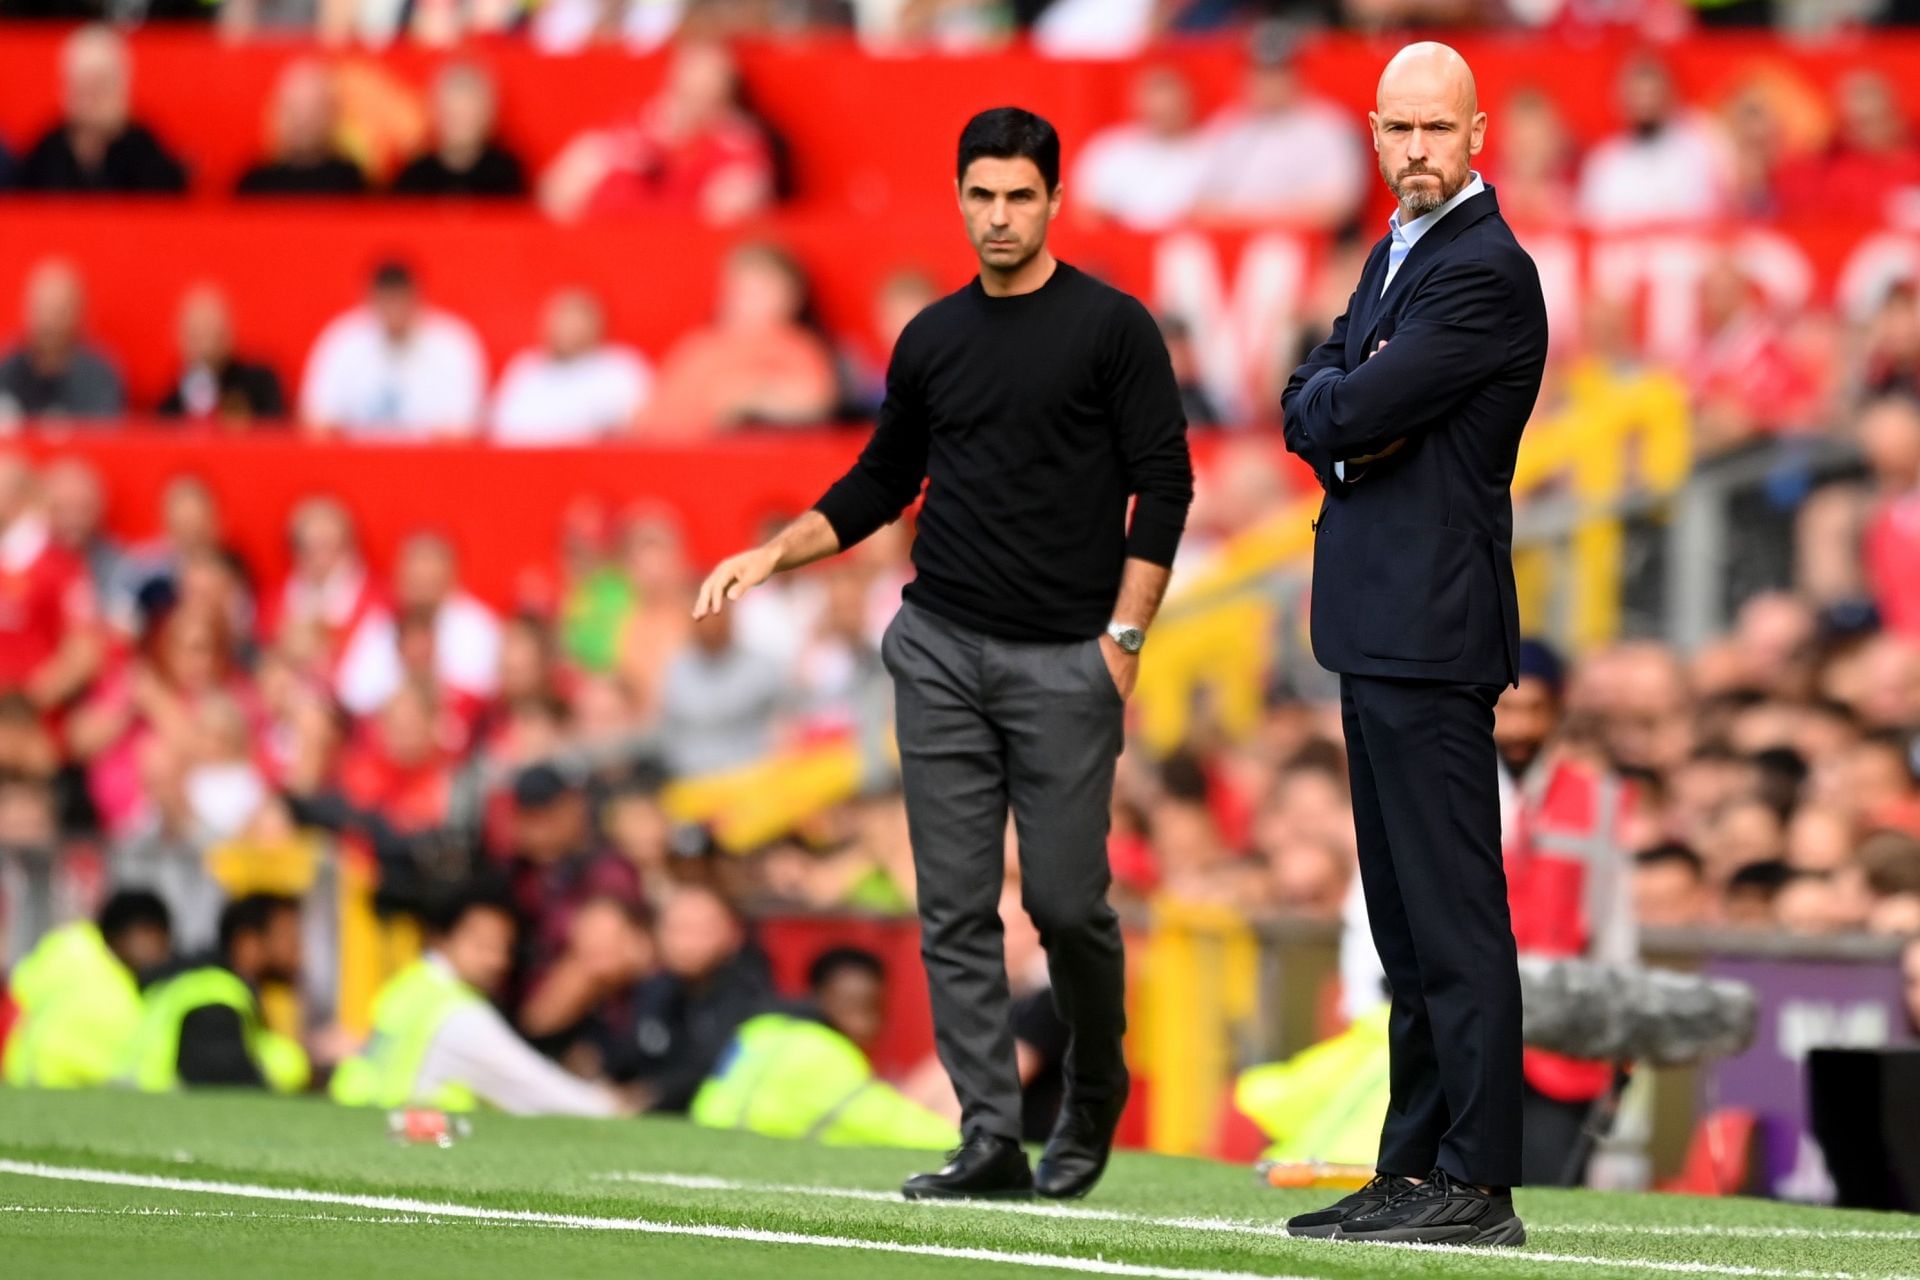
point(407, 1014)
point(154, 1066)
point(79, 1010)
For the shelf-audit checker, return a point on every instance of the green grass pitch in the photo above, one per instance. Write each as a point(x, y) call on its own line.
point(216, 1186)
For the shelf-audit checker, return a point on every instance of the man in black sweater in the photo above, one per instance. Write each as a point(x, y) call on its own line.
point(1035, 402)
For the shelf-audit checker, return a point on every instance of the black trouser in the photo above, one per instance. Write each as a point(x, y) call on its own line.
point(1555, 1132)
point(1426, 812)
point(987, 725)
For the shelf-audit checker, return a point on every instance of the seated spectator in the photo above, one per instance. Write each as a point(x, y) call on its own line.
point(1195, 403)
point(135, 732)
point(712, 979)
point(203, 1026)
point(331, 610)
point(556, 867)
point(466, 159)
point(691, 150)
point(214, 383)
point(305, 161)
point(1888, 432)
point(53, 373)
point(807, 1075)
point(97, 147)
point(1750, 894)
point(1146, 174)
point(394, 367)
point(1535, 173)
point(466, 631)
point(76, 507)
point(576, 387)
point(1743, 372)
point(400, 765)
point(378, 23)
point(1669, 166)
point(1871, 161)
point(1281, 154)
point(76, 996)
point(719, 701)
point(761, 361)
point(51, 644)
point(439, 1042)
point(585, 996)
point(1670, 887)
point(189, 520)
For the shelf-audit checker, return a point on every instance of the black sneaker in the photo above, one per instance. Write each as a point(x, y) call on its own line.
point(981, 1168)
point(1077, 1149)
point(1322, 1223)
point(1441, 1210)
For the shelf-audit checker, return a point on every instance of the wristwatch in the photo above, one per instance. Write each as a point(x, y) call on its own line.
point(1131, 639)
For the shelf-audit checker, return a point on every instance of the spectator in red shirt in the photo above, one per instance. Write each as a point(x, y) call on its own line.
point(138, 731)
point(1745, 375)
point(1889, 435)
point(1871, 161)
point(693, 149)
point(401, 765)
point(345, 628)
point(50, 640)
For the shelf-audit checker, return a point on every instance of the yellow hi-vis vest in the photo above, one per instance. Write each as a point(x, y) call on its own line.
point(1328, 1101)
point(79, 1010)
point(789, 1077)
point(407, 1014)
point(155, 1058)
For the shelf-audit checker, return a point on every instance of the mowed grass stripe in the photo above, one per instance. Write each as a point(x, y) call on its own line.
point(1235, 1226)
point(478, 1213)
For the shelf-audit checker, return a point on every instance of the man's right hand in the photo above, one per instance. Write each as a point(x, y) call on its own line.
point(732, 577)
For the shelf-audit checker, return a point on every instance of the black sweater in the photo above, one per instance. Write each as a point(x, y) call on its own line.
point(1033, 419)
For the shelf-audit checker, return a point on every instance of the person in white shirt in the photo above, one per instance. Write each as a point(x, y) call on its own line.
point(1146, 174)
point(469, 1045)
point(395, 368)
point(1670, 166)
point(1282, 154)
point(466, 632)
point(574, 389)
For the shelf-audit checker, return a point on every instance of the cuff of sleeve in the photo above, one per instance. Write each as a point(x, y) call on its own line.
point(846, 524)
point(1154, 540)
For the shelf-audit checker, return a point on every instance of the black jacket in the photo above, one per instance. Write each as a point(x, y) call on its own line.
point(1413, 563)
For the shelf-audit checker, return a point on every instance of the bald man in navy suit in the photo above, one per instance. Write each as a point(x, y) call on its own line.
point(1410, 414)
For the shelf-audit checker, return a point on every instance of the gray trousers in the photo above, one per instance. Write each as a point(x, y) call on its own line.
point(985, 726)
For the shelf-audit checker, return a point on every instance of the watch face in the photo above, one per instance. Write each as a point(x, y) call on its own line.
point(1131, 639)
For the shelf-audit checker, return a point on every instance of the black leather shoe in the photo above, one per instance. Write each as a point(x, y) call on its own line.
point(981, 1168)
point(1441, 1210)
point(1077, 1149)
point(1322, 1223)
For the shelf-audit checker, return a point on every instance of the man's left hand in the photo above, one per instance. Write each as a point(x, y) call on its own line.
point(1124, 667)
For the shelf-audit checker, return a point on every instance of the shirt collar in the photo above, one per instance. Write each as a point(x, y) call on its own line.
point(1426, 222)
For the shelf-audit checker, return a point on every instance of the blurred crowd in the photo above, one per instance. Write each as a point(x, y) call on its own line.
point(402, 365)
point(1061, 28)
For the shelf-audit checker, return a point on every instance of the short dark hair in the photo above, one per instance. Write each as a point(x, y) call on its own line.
point(1007, 133)
point(1672, 854)
point(834, 959)
point(133, 909)
point(251, 914)
point(1766, 877)
point(446, 911)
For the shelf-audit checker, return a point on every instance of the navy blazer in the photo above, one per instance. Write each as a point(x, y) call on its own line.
point(1413, 558)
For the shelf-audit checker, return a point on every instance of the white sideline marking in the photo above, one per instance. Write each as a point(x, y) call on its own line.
point(1238, 1226)
point(404, 1205)
point(151, 1211)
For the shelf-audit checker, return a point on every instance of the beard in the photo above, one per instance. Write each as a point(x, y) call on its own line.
point(1421, 197)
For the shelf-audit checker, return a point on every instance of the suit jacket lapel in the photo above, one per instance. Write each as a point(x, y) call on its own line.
point(1437, 237)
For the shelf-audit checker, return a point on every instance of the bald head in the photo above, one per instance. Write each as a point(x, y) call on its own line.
point(1427, 126)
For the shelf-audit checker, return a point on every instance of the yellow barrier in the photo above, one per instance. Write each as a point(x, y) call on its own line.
point(1613, 433)
point(1198, 987)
